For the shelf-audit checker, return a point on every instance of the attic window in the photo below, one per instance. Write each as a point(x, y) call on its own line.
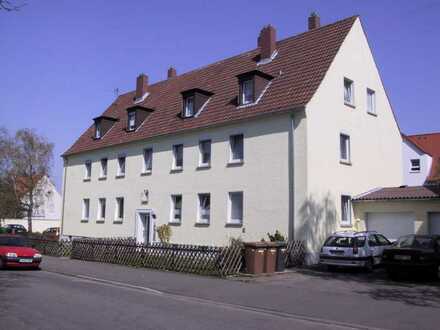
point(136, 115)
point(194, 101)
point(131, 125)
point(102, 125)
point(252, 86)
point(97, 131)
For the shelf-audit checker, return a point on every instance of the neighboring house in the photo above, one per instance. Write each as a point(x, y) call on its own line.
point(421, 159)
point(277, 138)
point(414, 207)
point(48, 212)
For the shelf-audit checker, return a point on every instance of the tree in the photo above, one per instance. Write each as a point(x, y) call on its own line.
point(25, 160)
point(8, 5)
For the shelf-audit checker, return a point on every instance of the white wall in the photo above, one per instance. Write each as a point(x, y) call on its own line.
point(411, 178)
point(376, 145)
point(263, 178)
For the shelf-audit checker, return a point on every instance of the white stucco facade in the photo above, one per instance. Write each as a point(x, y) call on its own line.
point(411, 152)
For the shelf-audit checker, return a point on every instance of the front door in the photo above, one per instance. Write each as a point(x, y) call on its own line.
point(144, 227)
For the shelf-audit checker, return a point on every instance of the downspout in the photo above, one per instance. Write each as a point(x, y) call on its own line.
point(290, 144)
point(65, 162)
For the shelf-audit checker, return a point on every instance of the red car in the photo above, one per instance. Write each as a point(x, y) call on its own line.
point(15, 254)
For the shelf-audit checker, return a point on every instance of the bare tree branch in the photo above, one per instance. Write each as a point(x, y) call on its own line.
point(8, 5)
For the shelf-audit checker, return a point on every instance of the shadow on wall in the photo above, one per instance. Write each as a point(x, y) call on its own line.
point(317, 221)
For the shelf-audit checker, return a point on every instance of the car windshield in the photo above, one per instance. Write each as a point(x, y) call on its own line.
point(345, 241)
point(12, 241)
point(419, 242)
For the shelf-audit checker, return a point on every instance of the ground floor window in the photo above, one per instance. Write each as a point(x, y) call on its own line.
point(176, 208)
point(346, 214)
point(236, 207)
point(204, 213)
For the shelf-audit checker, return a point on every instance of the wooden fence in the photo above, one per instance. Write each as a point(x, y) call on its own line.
point(51, 247)
point(204, 260)
point(295, 254)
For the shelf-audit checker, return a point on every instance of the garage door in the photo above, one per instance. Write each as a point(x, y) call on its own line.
point(434, 223)
point(392, 225)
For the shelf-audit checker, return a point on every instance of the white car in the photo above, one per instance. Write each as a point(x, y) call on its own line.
point(353, 249)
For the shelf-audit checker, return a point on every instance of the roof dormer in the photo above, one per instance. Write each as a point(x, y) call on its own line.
point(194, 100)
point(136, 115)
point(252, 86)
point(103, 125)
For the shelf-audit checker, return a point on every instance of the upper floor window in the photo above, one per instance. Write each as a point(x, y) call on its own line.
point(348, 91)
point(101, 208)
point(371, 101)
point(148, 160)
point(189, 106)
point(178, 156)
point(415, 165)
point(345, 153)
point(103, 173)
point(247, 91)
point(346, 210)
point(97, 131)
point(119, 212)
point(204, 213)
point(176, 208)
point(121, 166)
point(205, 152)
point(236, 146)
point(131, 125)
point(88, 170)
point(235, 207)
point(85, 209)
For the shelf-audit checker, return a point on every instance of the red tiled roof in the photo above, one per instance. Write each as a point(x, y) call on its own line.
point(396, 193)
point(298, 70)
point(429, 143)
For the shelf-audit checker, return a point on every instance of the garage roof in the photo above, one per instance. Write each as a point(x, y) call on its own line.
point(398, 193)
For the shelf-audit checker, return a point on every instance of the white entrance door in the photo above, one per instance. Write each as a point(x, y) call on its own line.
point(434, 223)
point(393, 224)
point(145, 227)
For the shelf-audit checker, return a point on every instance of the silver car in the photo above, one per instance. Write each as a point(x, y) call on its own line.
point(353, 249)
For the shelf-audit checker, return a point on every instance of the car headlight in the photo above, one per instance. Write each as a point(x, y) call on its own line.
point(37, 256)
point(11, 255)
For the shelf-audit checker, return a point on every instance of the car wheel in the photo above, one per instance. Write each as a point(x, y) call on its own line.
point(369, 265)
point(2, 265)
point(331, 268)
point(434, 273)
point(392, 273)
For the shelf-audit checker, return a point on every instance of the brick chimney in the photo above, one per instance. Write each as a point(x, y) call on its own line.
point(267, 41)
point(172, 72)
point(314, 21)
point(141, 85)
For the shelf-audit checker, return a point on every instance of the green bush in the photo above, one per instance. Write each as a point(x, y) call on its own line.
point(3, 230)
point(164, 232)
point(236, 241)
point(277, 237)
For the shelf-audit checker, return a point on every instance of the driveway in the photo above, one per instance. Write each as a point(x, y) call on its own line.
point(71, 294)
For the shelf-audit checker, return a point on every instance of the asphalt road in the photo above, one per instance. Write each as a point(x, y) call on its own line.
point(69, 294)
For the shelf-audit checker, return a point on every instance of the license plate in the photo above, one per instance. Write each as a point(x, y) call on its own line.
point(336, 252)
point(399, 257)
point(26, 261)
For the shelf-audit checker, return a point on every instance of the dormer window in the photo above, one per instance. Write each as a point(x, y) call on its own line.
point(131, 126)
point(194, 101)
point(189, 106)
point(97, 131)
point(252, 86)
point(103, 125)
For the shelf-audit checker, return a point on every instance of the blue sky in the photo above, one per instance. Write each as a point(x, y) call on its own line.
point(62, 60)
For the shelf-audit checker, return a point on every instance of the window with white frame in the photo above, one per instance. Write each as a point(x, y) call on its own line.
point(119, 212)
point(148, 160)
point(103, 173)
point(344, 141)
point(415, 165)
point(236, 146)
point(204, 213)
point(97, 131)
point(88, 170)
point(346, 210)
point(371, 101)
point(85, 209)
point(247, 92)
point(121, 166)
point(131, 125)
point(205, 153)
point(177, 156)
point(189, 106)
point(101, 209)
point(176, 208)
point(235, 207)
point(348, 91)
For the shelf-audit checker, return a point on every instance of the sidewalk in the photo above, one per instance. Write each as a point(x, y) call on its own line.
point(373, 304)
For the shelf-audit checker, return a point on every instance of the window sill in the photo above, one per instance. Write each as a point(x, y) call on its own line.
point(84, 220)
point(346, 225)
point(414, 171)
point(102, 178)
point(374, 114)
point(230, 224)
point(174, 223)
point(145, 173)
point(233, 163)
point(176, 170)
point(204, 167)
point(120, 176)
point(117, 222)
point(87, 180)
point(345, 162)
point(100, 221)
point(201, 224)
point(351, 105)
